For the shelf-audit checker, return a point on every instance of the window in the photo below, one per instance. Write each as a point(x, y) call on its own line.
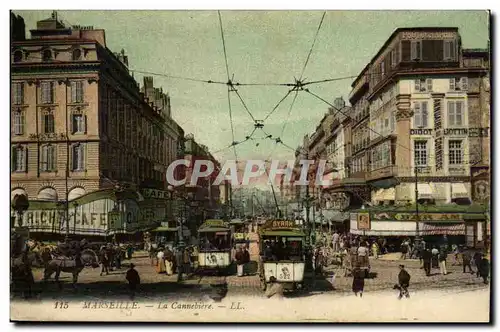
point(77, 54)
point(78, 157)
point(423, 85)
point(48, 158)
point(394, 59)
point(421, 115)
point(18, 93)
point(19, 157)
point(455, 152)
point(416, 50)
point(18, 56)
point(393, 121)
point(47, 55)
point(449, 50)
point(459, 84)
point(77, 92)
point(382, 69)
point(420, 153)
point(48, 125)
point(47, 89)
point(18, 122)
point(79, 124)
point(455, 113)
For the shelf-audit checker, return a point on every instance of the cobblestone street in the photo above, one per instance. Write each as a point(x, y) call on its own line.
point(383, 276)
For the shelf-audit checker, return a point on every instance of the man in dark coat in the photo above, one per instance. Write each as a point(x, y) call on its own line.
point(484, 269)
point(477, 261)
point(427, 258)
point(103, 258)
point(466, 260)
point(358, 280)
point(133, 280)
point(403, 283)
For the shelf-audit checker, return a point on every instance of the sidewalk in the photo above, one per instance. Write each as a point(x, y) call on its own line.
point(393, 256)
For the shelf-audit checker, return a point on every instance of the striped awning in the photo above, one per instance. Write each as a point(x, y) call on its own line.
point(442, 229)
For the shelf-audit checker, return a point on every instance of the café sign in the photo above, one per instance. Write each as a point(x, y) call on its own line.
point(149, 193)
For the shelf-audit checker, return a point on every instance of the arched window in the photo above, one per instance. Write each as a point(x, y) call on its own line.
point(18, 56)
point(47, 194)
point(77, 54)
point(75, 193)
point(17, 191)
point(47, 55)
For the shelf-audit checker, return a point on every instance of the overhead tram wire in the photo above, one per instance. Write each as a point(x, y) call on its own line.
point(176, 77)
point(224, 47)
point(312, 46)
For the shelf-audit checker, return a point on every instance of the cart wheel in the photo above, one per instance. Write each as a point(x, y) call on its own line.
point(263, 285)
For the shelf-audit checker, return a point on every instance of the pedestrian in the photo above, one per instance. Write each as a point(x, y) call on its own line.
point(427, 259)
point(358, 280)
point(404, 249)
point(239, 258)
point(454, 250)
point(363, 255)
point(160, 266)
point(118, 257)
point(103, 258)
point(335, 241)
point(466, 261)
point(130, 251)
point(133, 279)
point(179, 263)
point(111, 256)
point(403, 282)
point(477, 262)
point(246, 260)
point(186, 260)
point(168, 256)
point(274, 288)
point(375, 249)
point(443, 254)
point(484, 269)
point(435, 254)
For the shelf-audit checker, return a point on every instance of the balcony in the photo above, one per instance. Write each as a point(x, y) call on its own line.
point(384, 172)
point(457, 170)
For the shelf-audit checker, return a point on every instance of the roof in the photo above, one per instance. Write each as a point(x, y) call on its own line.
point(213, 229)
point(391, 37)
point(165, 229)
point(453, 208)
point(289, 232)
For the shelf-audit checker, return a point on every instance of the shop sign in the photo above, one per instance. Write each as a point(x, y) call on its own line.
point(364, 221)
point(149, 193)
point(214, 223)
point(283, 224)
point(428, 216)
point(420, 131)
point(471, 132)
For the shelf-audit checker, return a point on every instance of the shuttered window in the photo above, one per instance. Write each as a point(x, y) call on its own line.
point(77, 92)
point(47, 92)
point(48, 158)
point(416, 50)
point(78, 157)
point(79, 124)
point(18, 123)
point(449, 50)
point(48, 124)
point(455, 113)
point(18, 93)
point(421, 115)
point(19, 159)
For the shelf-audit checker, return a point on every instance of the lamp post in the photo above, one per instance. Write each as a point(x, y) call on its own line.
point(417, 230)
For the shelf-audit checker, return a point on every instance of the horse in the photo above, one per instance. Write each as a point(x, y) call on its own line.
point(87, 258)
point(21, 273)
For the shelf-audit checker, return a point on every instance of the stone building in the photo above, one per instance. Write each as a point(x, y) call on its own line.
point(89, 149)
point(428, 117)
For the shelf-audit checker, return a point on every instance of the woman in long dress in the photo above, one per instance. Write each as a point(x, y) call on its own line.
point(358, 281)
point(160, 268)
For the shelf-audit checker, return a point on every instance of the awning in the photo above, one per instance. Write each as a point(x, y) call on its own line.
point(439, 229)
point(165, 229)
point(424, 191)
point(458, 190)
point(213, 230)
point(334, 215)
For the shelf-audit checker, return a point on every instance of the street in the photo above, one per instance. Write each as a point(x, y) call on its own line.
point(383, 276)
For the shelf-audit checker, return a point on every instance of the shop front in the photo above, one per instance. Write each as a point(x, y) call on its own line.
point(461, 224)
point(95, 215)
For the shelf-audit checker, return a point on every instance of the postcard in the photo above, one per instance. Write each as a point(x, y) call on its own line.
point(250, 166)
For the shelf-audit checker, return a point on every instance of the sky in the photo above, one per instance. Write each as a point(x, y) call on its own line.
point(262, 47)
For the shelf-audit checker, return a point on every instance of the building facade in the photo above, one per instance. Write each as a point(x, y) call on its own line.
point(81, 128)
point(428, 121)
